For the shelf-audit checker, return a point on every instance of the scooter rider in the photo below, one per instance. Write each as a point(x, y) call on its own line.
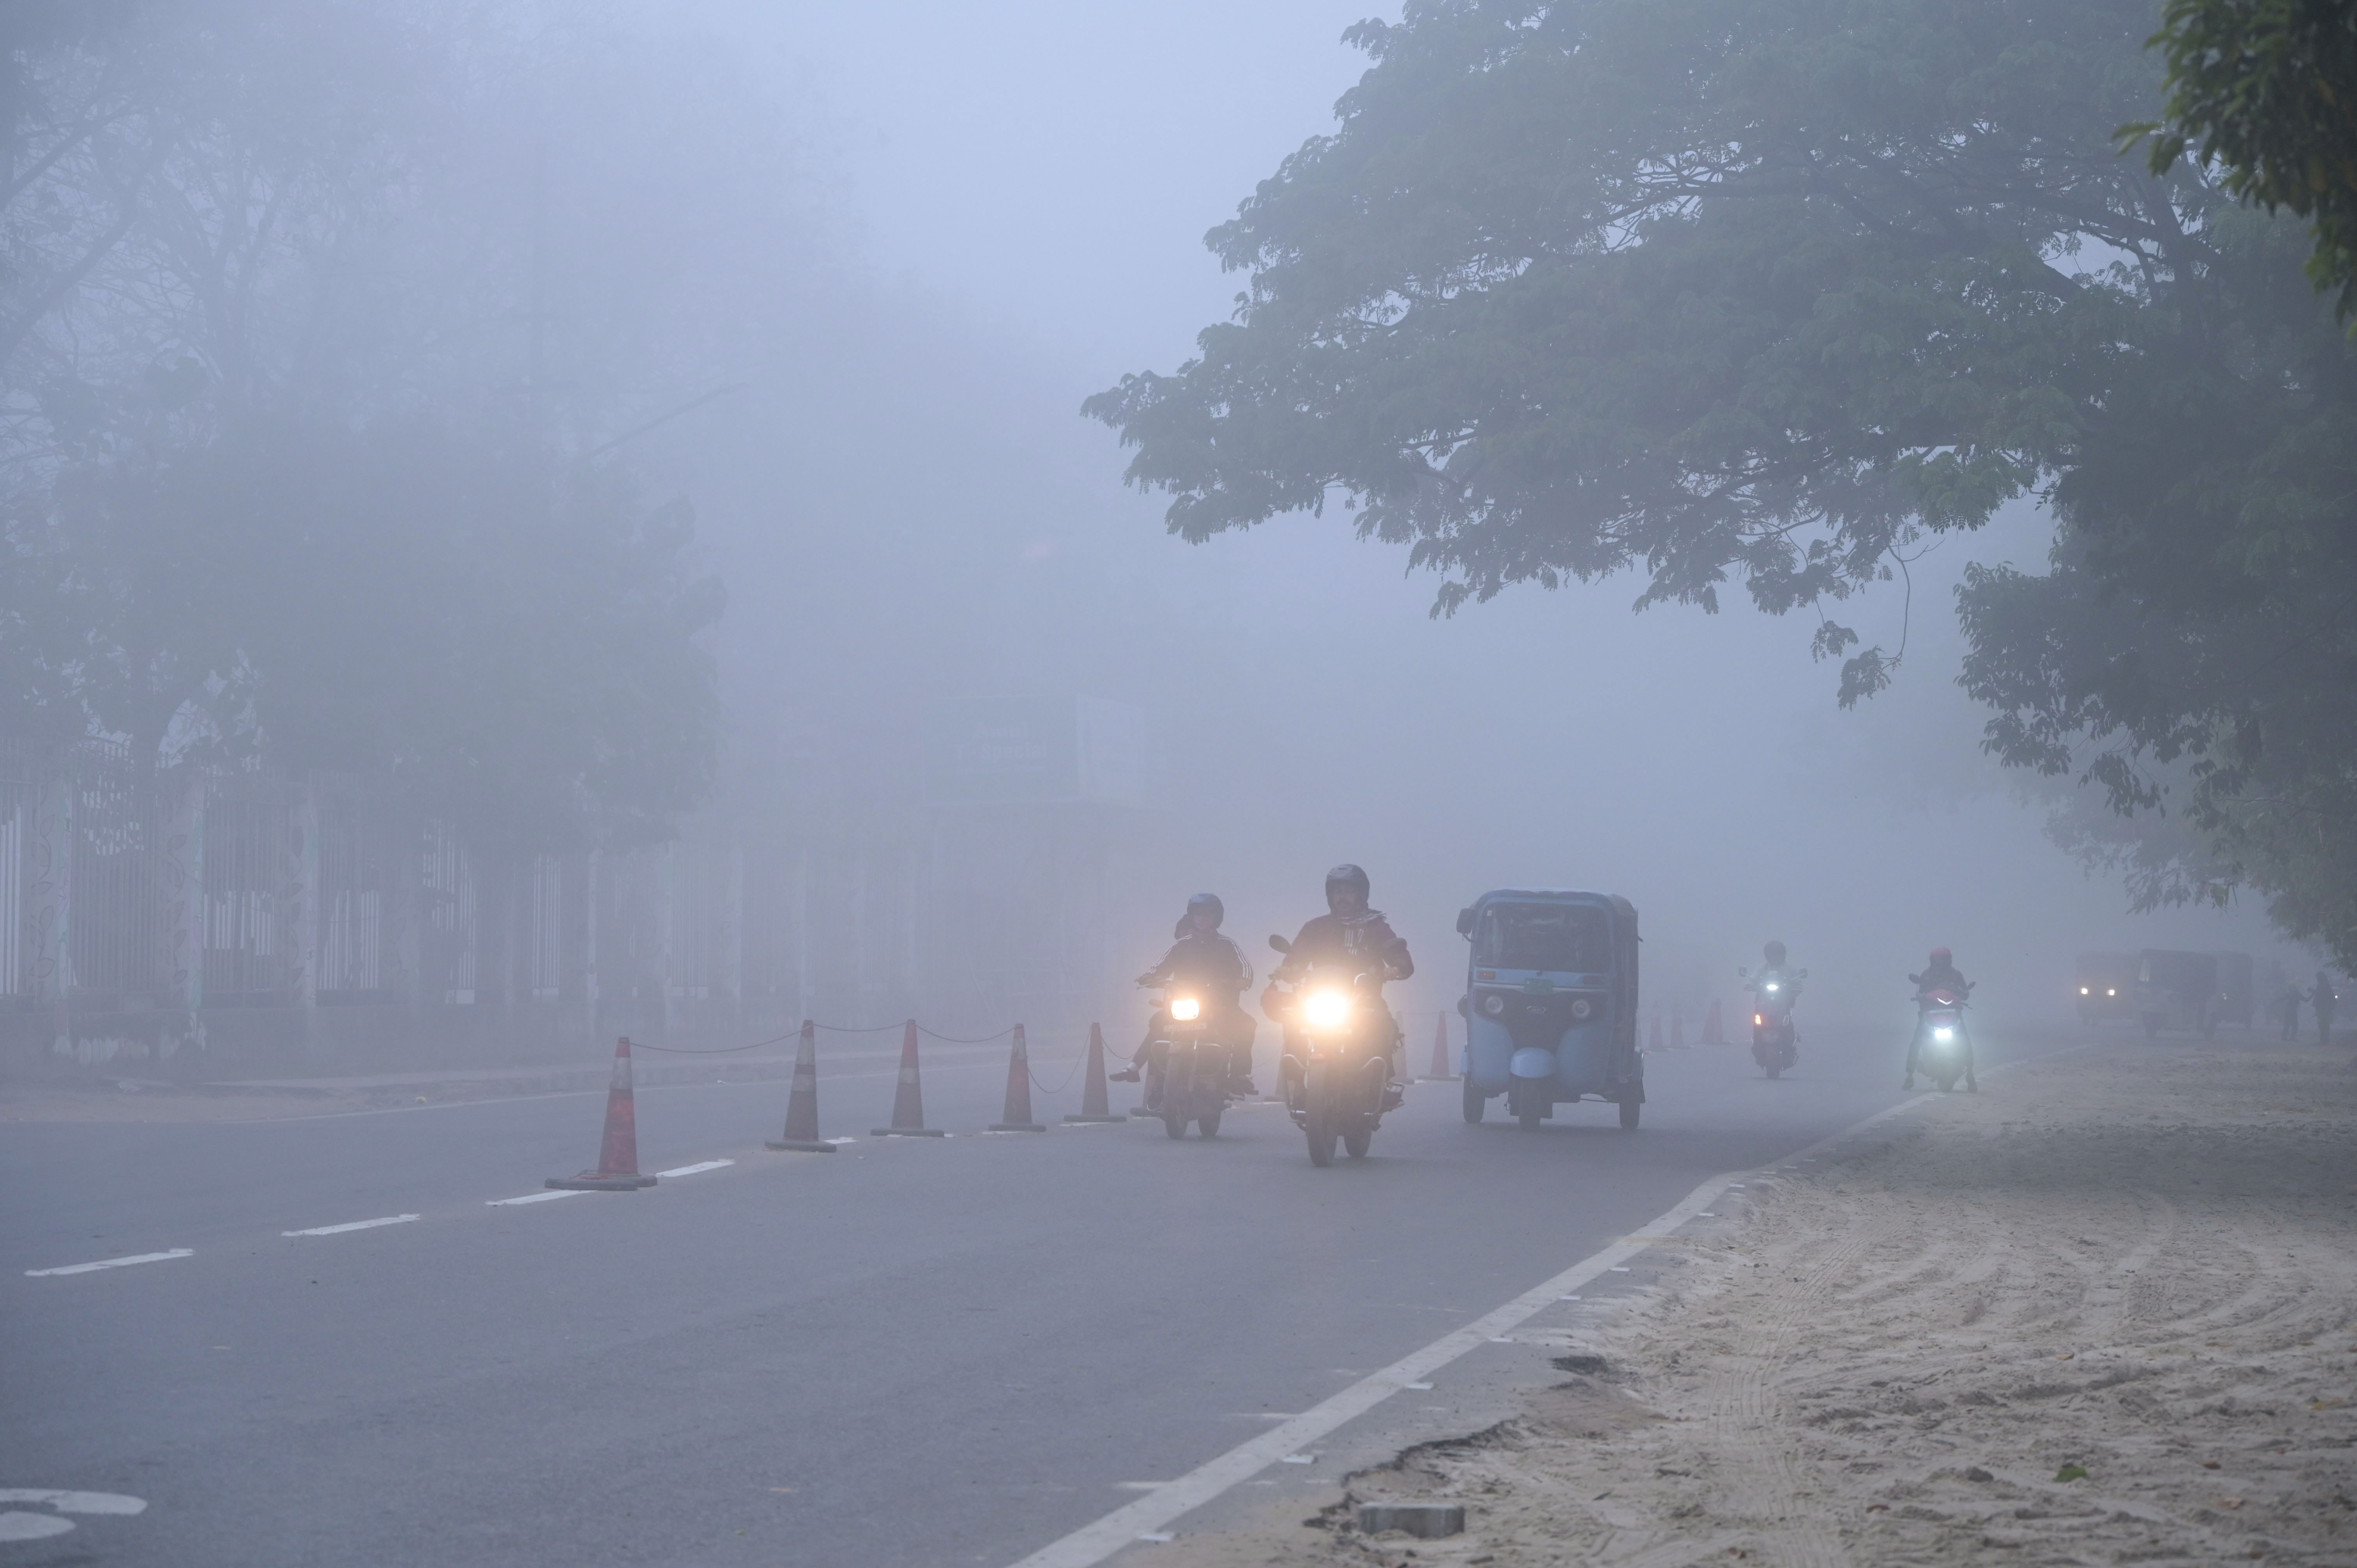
point(1773, 973)
point(1212, 965)
point(1940, 974)
point(1351, 935)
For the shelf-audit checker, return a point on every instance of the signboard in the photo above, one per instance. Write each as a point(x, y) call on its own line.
point(1010, 750)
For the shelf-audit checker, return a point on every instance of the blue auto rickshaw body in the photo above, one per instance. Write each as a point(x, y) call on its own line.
point(1550, 1001)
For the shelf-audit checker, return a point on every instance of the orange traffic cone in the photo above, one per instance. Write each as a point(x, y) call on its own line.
point(1441, 1066)
point(1093, 1105)
point(1714, 1033)
point(1017, 1117)
point(1654, 1041)
point(909, 1098)
point(618, 1157)
point(1677, 1027)
point(802, 1109)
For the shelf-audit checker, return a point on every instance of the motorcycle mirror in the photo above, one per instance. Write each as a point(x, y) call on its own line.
point(1460, 1008)
point(1741, 972)
point(1280, 944)
point(1800, 975)
point(1465, 922)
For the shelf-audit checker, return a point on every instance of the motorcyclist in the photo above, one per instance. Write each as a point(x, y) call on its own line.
point(1773, 969)
point(1349, 936)
point(1940, 974)
point(1213, 967)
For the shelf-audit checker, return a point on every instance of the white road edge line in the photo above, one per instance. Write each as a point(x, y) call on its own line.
point(1147, 1519)
point(550, 1197)
point(113, 1263)
point(353, 1225)
point(692, 1170)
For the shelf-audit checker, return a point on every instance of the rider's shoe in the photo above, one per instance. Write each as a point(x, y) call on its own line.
point(1127, 1075)
point(1394, 1095)
point(1907, 1083)
point(1972, 1085)
point(1240, 1088)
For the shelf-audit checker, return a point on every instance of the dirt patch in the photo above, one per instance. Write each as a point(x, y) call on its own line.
point(2105, 1311)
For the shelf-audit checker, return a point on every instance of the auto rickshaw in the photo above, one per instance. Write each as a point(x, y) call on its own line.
point(2107, 986)
point(1550, 1003)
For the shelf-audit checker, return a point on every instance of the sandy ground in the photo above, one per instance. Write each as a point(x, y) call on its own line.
point(2135, 1261)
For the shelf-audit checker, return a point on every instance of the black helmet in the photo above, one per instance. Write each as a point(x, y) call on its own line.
point(1773, 952)
point(1210, 901)
point(1345, 876)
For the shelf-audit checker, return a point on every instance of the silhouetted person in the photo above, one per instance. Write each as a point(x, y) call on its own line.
point(2322, 1000)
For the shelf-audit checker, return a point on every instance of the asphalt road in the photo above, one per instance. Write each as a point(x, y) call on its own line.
point(911, 1352)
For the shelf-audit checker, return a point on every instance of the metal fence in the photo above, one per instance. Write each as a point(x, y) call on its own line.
point(172, 896)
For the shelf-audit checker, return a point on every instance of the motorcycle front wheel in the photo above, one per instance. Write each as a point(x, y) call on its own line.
point(1209, 1123)
point(1318, 1116)
point(1357, 1144)
point(1629, 1112)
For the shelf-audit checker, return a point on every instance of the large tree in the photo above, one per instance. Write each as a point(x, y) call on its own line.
point(1767, 293)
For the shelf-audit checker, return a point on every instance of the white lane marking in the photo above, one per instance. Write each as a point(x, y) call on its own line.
point(16, 1526)
point(1298, 1459)
point(113, 1263)
point(838, 1140)
point(1617, 1268)
point(1159, 1537)
point(691, 1170)
point(1425, 1388)
point(1706, 1214)
point(1147, 1517)
point(1566, 1298)
point(354, 1225)
point(74, 1502)
point(549, 1197)
point(1138, 1485)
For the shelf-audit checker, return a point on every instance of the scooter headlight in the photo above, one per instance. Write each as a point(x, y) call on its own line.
point(1494, 1005)
point(1773, 986)
point(1944, 1035)
point(1331, 1009)
point(2082, 991)
point(1185, 1009)
point(1581, 1008)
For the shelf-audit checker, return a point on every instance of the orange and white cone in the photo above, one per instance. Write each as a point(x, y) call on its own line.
point(1441, 1066)
point(802, 1109)
point(908, 1097)
point(1016, 1116)
point(1095, 1107)
point(618, 1154)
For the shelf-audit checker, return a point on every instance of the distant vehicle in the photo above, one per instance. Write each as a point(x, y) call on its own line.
point(1774, 1045)
point(2237, 997)
point(2177, 991)
point(1550, 1003)
point(2106, 986)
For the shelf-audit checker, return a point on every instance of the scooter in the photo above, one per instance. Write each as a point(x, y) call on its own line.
point(1774, 1044)
point(1944, 1051)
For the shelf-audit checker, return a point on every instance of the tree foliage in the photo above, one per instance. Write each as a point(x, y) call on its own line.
point(2267, 89)
point(1773, 292)
point(290, 468)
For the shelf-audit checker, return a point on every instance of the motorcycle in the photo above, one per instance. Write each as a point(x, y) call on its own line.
point(1774, 1045)
point(1337, 1065)
point(1189, 1069)
point(1946, 1050)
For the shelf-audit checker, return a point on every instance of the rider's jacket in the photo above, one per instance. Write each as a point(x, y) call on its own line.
point(1354, 941)
point(1950, 978)
point(1212, 962)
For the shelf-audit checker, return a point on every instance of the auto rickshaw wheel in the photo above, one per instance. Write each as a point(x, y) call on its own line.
point(1629, 1111)
point(1475, 1102)
point(1528, 1114)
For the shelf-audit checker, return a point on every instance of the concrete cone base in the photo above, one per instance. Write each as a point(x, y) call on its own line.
point(1096, 1118)
point(797, 1146)
point(591, 1181)
point(1017, 1127)
point(905, 1133)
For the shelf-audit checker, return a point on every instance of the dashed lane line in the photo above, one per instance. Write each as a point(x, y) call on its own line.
point(111, 1263)
point(353, 1225)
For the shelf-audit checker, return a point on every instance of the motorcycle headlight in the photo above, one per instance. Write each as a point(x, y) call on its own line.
point(1185, 1009)
point(1581, 1008)
point(1773, 986)
point(2082, 991)
point(1495, 1006)
point(1944, 1035)
point(1331, 1009)
point(2111, 992)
